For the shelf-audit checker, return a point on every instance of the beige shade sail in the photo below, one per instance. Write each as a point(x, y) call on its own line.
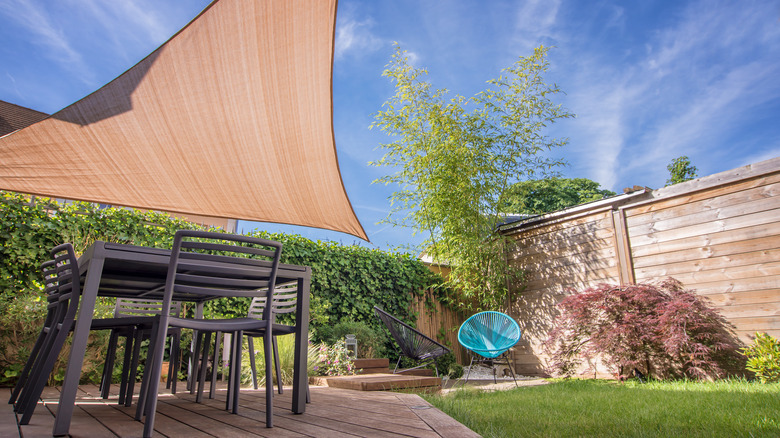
point(232, 117)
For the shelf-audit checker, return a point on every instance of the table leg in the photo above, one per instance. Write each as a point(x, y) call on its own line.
point(300, 376)
point(78, 348)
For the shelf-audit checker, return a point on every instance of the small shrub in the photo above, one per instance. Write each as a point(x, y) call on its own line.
point(455, 371)
point(659, 329)
point(763, 358)
point(286, 348)
point(370, 344)
point(448, 365)
point(334, 360)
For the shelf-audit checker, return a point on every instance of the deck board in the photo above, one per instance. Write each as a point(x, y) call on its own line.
point(334, 412)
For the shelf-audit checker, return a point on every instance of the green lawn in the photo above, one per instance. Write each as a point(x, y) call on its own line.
point(608, 408)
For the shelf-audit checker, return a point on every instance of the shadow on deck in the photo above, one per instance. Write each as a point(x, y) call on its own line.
point(333, 412)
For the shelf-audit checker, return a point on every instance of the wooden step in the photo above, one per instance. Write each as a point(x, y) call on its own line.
point(372, 366)
point(378, 382)
point(418, 372)
point(371, 363)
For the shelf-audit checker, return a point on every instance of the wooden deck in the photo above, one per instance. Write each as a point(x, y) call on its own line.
point(333, 412)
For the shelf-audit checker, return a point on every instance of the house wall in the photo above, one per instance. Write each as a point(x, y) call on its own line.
point(719, 235)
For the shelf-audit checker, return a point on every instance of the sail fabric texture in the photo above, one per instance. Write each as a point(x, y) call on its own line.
point(232, 117)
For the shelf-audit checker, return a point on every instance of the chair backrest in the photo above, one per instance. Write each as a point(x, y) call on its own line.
point(412, 343)
point(61, 275)
point(489, 334)
point(285, 300)
point(129, 307)
point(52, 290)
point(209, 264)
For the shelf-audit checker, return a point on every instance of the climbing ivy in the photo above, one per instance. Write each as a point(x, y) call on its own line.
point(347, 281)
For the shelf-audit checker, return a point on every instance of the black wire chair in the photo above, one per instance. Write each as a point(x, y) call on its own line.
point(412, 343)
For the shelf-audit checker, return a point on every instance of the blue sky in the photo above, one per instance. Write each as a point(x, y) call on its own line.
point(648, 80)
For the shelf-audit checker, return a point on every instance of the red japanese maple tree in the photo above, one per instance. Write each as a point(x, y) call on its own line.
point(657, 329)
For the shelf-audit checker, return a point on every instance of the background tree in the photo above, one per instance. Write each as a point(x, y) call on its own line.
point(539, 196)
point(680, 170)
point(454, 159)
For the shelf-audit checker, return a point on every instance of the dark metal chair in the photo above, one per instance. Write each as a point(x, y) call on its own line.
point(205, 264)
point(285, 300)
point(488, 336)
point(412, 343)
point(63, 288)
point(63, 293)
point(134, 319)
point(49, 271)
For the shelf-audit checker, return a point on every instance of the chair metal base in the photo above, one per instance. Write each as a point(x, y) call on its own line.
point(504, 358)
point(432, 361)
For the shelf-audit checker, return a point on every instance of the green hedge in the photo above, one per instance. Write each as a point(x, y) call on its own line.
point(347, 281)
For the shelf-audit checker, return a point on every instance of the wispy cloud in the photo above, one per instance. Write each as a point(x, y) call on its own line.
point(703, 75)
point(354, 36)
point(757, 158)
point(536, 23)
point(55, 44)
point(12, 81)
point(126, 23)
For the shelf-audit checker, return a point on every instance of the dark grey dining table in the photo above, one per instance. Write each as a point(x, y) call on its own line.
point(129, 271)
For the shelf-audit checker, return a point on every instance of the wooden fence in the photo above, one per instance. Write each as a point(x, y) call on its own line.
point(440, 323)
point(719, 235)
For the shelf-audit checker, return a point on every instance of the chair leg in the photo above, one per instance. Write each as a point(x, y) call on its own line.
point(195, 371)
point(277, 365)
point(234, 378)
point(191, 362)
point(203, 363)
point(397, 363)
point(127, 363)
point(28, 366)
point(173, 374)
point(152, 379)
point(471, 364)
point(215, 365)
point(509, 364)
point(131, 374)
point(108, 366)
point(269, 383)
point(237, 359)
point(251, 345)
point(144, 395)
point(47, 360)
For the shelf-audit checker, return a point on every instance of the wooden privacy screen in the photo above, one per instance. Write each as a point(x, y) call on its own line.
point(718, 235)
point(232, 117)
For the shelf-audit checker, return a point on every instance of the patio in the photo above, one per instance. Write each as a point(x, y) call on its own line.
point(333, 412)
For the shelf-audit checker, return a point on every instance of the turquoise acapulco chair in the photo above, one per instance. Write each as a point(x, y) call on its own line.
point(488, 336)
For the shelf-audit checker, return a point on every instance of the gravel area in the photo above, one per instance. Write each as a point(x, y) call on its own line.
point(486, 373)
point(481, 378)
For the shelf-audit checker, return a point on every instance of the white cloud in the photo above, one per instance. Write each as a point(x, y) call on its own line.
point(38, 21)
point(699, 82)
point(131, 28)
point(355, 36)
point(757, 158)
point(536, 20)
